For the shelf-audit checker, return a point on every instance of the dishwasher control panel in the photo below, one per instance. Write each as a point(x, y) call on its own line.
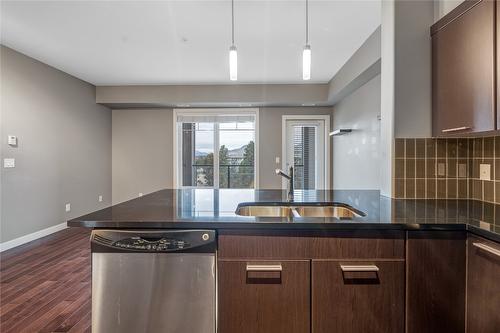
point(153, 240)
point(163, 244)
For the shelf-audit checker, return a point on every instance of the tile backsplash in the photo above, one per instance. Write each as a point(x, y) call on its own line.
point(447, 168)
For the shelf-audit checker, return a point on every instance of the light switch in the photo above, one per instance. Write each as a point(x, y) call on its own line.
point(485, 171)
point(12, 140)
point(9, 163)
point(277, 160)
point(68, 207)
point(100, 198)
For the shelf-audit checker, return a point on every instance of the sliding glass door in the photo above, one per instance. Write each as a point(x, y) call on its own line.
point(216, 149)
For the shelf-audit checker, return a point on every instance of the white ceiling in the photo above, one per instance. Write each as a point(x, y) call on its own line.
point(187, 42)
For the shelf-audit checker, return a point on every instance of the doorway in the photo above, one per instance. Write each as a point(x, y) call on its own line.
point(306, 148)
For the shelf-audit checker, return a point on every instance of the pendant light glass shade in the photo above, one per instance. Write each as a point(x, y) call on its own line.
point(233, 63)
point(306, 63)
point(306, 52)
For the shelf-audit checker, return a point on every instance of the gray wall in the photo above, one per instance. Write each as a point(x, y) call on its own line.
point(356, 156)
point(361, 67)
point(405, 77)
point(64, 151)
point(235, 95)
point(412, 96)
point(143, 148)
point(142, 152)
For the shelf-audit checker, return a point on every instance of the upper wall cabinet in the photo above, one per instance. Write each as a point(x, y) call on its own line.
point(463, 70)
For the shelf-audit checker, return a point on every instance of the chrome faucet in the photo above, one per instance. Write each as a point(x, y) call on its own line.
point(280, 172)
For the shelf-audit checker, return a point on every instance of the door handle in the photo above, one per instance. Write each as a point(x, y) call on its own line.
point(456, 129)
point(263, 274)
point(264, 268)
point(359, 268)
point(487, 248)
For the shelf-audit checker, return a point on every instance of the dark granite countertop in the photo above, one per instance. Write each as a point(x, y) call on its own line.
point(215, 209)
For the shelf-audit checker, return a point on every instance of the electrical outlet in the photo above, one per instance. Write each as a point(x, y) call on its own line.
point(68, 207)
point(140, 194)
point(462, 170)
point(441, 169)
point(485, 171)
point(100, 198)
point(9, 163)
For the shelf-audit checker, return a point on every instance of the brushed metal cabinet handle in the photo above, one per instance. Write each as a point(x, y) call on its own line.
point(264, 268)
point(359, 268)
point(487, 248)
point(456, 129)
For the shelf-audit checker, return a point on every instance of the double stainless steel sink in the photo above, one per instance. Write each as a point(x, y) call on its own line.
point(298, 210)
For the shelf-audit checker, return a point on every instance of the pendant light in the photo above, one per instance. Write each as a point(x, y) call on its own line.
point(233, 53)
point(306, 52)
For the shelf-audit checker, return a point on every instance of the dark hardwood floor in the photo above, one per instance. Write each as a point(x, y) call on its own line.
point(45, 284)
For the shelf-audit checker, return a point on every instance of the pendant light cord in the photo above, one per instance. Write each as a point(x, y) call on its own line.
point(232, 22)
point(307, 22)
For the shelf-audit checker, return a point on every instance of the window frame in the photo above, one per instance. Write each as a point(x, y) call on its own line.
point(177, 160)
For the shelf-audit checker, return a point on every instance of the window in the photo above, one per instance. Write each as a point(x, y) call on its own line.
point(216, 148)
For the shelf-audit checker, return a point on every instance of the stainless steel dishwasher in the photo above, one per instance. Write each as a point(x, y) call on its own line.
point(153, 281)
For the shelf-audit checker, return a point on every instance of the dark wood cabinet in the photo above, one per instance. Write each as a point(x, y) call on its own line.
point(463, 70)
point(342, 281)
point(357, 296)
point(264, 296)
point(358, 282)
point(483, 286)
point(346, 244)
point(435, 281)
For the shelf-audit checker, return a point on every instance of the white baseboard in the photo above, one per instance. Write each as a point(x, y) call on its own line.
point(31, 237)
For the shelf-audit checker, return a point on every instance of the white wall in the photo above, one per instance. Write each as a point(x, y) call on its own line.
point(64, 147)
point(387, 84)
point(356, 156)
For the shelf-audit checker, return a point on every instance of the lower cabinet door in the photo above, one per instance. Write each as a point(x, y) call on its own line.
point(264, 296)
point(483, 286)
point(357, 296)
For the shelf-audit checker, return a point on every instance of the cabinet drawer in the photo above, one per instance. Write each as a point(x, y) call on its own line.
point(314, 245)
point(264, 296)
point(483, 285)
point(357, 296)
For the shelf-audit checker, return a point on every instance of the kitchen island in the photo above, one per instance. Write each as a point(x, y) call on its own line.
point(215, 209)
point(399, 265)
